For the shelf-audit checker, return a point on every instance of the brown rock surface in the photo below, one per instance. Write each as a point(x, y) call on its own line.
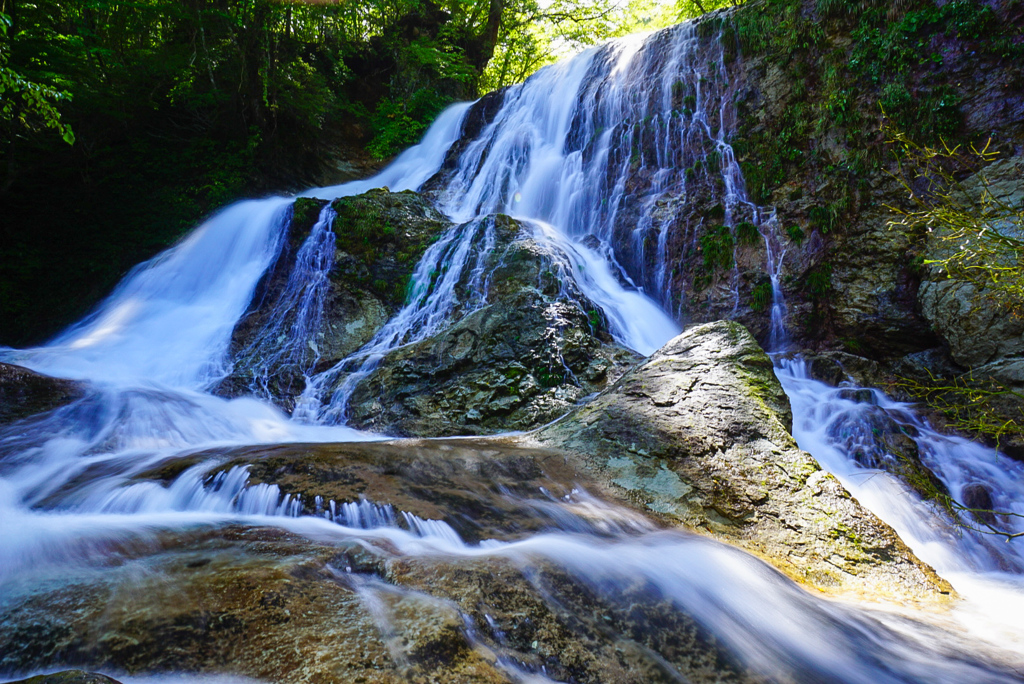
point(24, 392)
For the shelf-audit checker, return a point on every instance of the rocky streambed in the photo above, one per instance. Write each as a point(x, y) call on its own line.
point(602, 547)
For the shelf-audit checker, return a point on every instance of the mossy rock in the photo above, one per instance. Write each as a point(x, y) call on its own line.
point(380, 236)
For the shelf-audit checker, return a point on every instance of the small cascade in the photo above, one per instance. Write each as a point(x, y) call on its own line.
point(287, 342)
point(846, 428)
point(643, 139)
point(170, 320)
point(778, 338)
point(229, 492)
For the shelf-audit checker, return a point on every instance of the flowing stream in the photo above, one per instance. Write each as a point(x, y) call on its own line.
point(583, 148)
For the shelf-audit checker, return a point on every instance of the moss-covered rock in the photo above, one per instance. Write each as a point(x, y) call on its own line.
point(379, 237)
point(24, 392)
point(699, 433)
point(533, 351)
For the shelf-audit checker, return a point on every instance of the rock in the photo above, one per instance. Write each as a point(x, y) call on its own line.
point(699, 433)
point(275, 606)
point(873, 299)
point(477, 486)
point(525, 358)
point(257, 603)
point(835, 367)
point(68, 677)
point(24, 392)
point(379, 237)
point(977, 331)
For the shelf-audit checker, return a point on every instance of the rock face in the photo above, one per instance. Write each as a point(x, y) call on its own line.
point(980, 333)
point(526, 357)
point(24, 392)
point(378, 238)
point(699, 433)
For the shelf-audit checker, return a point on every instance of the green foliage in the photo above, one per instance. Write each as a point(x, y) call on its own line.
point(25, 103)
point(747, 233)
point(795, 234)
point(761, 296)
point(818, 281)
point(400, 123)
point(982, 406)
point(536, 34)
point(981, 233)
point(838, 89)
point(547, 377)
point(716, 246)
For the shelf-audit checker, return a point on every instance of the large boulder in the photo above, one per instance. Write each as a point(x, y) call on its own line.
point(700, 433)
point(24, 392)
point(518, 345)
point(535, 349)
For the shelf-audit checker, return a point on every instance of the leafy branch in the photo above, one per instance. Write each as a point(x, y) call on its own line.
point(34, 100)
point(981, 233)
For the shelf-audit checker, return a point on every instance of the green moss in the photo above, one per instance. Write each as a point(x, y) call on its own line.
point(716, 246)
point(305, 211)
point(795, 234)
point(747, 234)
point(761, 296)
point(386, 233)
point(818, 282)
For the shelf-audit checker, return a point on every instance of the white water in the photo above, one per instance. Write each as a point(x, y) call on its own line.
point(556, 156)
point(839, 425)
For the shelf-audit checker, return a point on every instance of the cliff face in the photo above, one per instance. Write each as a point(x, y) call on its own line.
point(770, 155)
point(813, 91)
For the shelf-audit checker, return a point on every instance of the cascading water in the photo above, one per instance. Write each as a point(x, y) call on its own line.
point(288, 340)
point(601, 146)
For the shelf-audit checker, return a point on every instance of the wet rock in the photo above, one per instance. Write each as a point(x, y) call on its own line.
point(379, 237)
point(530, 354)
point(69, 677)
point(978, 500)
point(699, 433)
point(477, 487)
point(836, 367)
point(257, 603)
point(24, 392)
point(873, 298)
point(271, 605)
point(977, 330)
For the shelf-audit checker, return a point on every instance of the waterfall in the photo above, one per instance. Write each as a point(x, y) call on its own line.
point(608, 146)
point(288, 340)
